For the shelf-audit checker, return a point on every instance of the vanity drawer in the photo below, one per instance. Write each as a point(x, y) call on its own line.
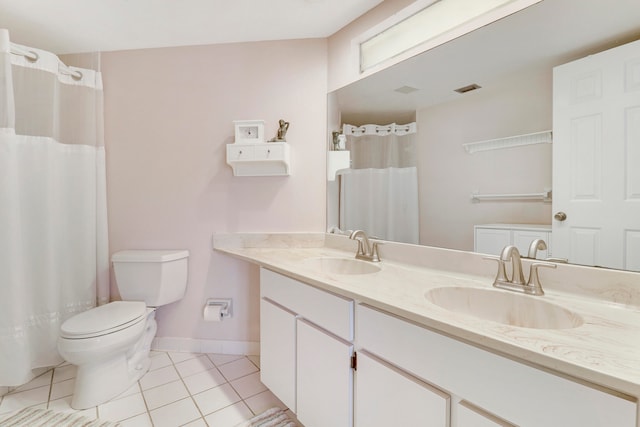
point(496, 384)
point(329, 311)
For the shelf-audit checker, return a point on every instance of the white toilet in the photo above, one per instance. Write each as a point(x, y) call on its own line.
point(110, 344)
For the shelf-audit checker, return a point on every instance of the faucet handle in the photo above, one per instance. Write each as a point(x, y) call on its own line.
point(534, 279)
point(501, 276)
point(374, 252)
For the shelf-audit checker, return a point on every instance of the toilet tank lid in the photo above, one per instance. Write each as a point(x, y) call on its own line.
point(149, 255)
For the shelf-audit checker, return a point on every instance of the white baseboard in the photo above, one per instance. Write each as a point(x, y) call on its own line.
point(190, 345)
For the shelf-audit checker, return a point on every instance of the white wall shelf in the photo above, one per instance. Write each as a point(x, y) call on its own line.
point(260, 159)
point(508, 142)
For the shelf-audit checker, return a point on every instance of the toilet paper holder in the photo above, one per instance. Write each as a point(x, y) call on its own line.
point(223, 305)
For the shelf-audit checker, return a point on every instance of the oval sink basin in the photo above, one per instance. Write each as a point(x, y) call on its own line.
point(504, 307)
point(342, 265)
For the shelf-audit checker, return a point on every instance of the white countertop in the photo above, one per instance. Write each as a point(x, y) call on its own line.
point(605, 350)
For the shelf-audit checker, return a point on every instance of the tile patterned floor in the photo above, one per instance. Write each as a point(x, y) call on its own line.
point(180, 389)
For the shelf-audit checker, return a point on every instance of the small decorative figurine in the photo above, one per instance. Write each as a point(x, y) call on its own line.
point(282, 132)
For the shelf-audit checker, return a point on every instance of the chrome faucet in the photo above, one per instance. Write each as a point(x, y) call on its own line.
point(366, 250)
point(536, 245)
point(516, 282)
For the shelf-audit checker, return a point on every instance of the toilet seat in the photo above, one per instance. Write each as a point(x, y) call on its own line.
point(103, 320)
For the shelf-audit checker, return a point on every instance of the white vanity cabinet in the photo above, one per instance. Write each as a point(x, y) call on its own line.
point(467, 415)
point(306, 337)
point(492, 238)
point(387, 396)
point(503, 390)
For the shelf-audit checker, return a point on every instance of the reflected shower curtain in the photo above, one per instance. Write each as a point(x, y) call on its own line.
point(380, 193)
point(53, 228)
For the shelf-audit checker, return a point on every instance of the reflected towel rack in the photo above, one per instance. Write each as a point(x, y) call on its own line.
point(545, 196)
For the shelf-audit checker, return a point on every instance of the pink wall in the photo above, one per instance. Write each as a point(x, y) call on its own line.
point(168, 116)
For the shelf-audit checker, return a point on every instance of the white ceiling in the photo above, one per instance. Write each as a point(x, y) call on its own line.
point(75, 26)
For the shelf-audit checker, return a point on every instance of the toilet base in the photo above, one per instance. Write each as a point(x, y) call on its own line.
point(100, 379)
point(98, 383)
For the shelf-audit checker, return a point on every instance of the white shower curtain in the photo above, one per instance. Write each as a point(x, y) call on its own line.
point(53, 228)
point(380, 194)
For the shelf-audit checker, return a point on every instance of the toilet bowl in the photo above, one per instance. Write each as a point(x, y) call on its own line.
point(110, 344)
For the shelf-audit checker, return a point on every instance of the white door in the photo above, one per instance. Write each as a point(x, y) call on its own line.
point(324, 378)
point(596, 153)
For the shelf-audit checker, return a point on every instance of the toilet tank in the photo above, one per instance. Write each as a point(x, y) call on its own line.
point(157, 277)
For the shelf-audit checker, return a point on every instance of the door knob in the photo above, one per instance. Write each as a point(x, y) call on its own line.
point(560, 216)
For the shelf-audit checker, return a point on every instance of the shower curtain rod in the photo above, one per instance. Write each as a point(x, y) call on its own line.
point(34, 57)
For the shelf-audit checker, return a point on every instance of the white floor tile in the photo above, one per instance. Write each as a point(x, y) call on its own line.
point(42, 380)
point(230, 416)
point(193, 366)
point(221, 359)
point(64, 372)
point(120, 409)
point(198, 423)
point(249, 385)
point(135, 388)
point(237, 369)
point(62, 389)
point(216, 398)
point(178, 357)
point(141, 420)
point(158, 377)
point(204, 381)
point(161, 398)
point(255, 360)
point(165, 394)
point(160, 361)
point(263, 401)
point(154, 353)
point(175, 414)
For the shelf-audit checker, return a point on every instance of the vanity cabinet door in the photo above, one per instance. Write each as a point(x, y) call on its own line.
point(491, 241)
point(386, 396)
point(468, 415)
point(278, 351)
point(499, 385)
point(324, 378)
point(492, 238)
point(522, 240)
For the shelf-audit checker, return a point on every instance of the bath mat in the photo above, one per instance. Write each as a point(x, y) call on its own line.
point(31, 417)
point(274, 417)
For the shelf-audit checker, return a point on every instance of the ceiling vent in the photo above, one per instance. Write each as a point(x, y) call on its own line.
point(468, 88)
point(406, 89)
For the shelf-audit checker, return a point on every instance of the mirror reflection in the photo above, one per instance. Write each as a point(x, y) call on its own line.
point(512, 63)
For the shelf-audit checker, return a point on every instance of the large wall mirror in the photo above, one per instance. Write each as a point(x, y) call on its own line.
point(512, 61)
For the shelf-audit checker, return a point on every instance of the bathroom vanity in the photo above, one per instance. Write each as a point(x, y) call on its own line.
point(347, 345)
